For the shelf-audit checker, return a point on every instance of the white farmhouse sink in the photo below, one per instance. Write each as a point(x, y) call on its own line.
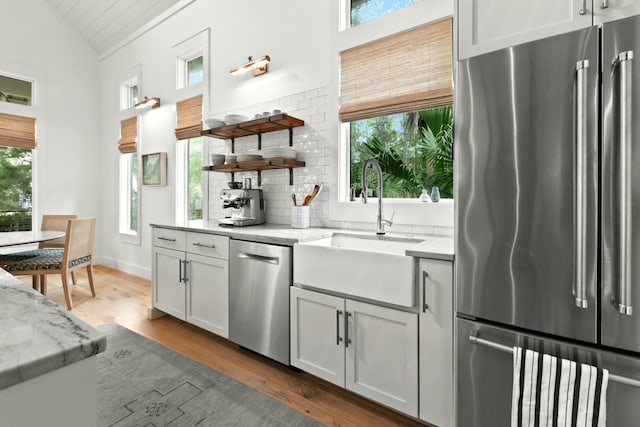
point(366, 266)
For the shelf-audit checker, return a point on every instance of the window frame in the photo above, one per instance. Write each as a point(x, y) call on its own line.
point(185, 50)
point(432, 217)
point(127, 235)
point(126, 79)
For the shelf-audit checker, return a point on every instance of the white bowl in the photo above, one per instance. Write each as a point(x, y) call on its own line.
point(217, 159)
point(287, 153)
point(231, 119)
point(248, 157)
point(214, 123)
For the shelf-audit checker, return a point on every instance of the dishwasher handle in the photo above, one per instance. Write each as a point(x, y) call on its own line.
point(261, 258)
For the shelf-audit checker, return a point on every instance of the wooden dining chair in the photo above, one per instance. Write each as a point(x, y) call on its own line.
point(77, 254)
point(49, 247)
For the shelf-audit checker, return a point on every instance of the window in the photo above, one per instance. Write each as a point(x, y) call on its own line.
point(404, 120)
point(132, 95)
point(129, 193)
point(414, 151)
point(15, 91)
point(194, 179)
point(189, 176)
point(129, 93)
point(15, 189)
point(17, 141)
point(129, 179)
point(195, 71)
point(362, 11)
point(191, 69)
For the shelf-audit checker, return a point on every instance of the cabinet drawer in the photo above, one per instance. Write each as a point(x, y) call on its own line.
point(208, 245)
point(170, 239)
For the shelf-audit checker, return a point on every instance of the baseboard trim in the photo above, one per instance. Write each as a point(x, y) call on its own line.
point(125, 267)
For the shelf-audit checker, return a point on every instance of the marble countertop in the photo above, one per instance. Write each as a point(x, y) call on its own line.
point(438, 247)
point(37, 335)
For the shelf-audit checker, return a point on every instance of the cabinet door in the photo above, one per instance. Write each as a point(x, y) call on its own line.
point(382, 355)
point(317, 334)
point(168, 290)
point(436, 341)
point(488, 25)
point(611, 10)
point(208, 293)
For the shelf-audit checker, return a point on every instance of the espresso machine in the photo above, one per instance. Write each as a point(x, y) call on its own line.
point(242, 207)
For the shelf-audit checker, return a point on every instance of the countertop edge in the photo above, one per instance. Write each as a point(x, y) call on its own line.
point(40, 336)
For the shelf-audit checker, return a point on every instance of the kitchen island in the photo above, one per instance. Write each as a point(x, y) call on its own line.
point(47, 360)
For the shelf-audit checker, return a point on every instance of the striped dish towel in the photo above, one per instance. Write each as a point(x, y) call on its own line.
point(554, 392)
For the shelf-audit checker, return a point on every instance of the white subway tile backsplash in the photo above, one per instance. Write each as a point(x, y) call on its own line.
point(311, 141)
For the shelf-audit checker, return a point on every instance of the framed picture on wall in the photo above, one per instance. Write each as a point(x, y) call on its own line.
point(154, 169)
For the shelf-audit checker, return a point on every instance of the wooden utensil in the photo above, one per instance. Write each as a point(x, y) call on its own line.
point(293, 197)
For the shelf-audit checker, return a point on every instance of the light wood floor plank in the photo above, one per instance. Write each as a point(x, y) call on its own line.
point(124, 299)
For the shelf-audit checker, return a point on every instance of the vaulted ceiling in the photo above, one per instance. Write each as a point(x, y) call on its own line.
point(104, 24)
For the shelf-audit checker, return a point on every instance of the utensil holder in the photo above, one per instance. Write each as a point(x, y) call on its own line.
point(300, 216)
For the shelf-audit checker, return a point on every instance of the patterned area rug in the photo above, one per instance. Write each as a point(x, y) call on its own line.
point(142, 384)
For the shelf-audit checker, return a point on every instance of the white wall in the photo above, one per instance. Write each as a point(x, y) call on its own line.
point(302, 39)
point(293, 33)
point(35, 42)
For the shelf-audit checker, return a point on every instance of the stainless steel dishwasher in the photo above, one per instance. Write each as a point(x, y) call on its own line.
point(259, 281)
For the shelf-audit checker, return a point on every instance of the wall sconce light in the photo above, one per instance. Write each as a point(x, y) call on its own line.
point(259, 66)
point(148, 102)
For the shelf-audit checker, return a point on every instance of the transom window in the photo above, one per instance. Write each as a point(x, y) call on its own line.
point(362, 11)
point(195, 71)
point(15, 91)
point(129, 93)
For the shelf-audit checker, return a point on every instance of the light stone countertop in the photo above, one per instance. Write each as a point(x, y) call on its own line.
point(37, 335)
point(437, 247)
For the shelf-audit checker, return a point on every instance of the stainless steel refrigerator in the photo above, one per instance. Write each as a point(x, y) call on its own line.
point(547, 144)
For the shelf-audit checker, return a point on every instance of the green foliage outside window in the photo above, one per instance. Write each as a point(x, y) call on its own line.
point(414, 150)
point(194, 185)
point(15, 189)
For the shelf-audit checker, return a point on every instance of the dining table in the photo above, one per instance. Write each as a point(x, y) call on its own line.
point(15, 238)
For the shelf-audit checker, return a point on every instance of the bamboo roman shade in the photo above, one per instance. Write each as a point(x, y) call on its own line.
point(17, 131)
point(189, 118)
point(128, 135)
point(405, 72)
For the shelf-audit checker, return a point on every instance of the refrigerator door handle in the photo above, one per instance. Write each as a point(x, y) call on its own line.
point(580, 199)
point(474, 338)
point(622, 301)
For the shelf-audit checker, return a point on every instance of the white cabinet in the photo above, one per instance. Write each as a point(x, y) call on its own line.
point(436, 341)
point(610, 10)
point(368, 349)
point(488, 25)
point(191, 278)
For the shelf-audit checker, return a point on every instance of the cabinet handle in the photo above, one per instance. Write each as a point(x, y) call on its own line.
point(338, 337)
point(180, 270)
point(186, 276)
point(204, 245)
point(583, 8)
point(604, 4)
point(425, 306)
point(622, 301)
point(166, 239)
point(347, 340)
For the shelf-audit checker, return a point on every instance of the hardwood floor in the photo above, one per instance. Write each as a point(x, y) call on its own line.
point(124, 299)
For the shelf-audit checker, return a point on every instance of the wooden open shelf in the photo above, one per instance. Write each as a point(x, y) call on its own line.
point(258, 165)
point(255, 127)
